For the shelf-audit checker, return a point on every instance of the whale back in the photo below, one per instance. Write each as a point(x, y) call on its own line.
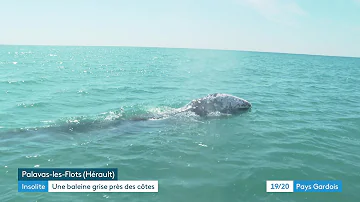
point(217, 102)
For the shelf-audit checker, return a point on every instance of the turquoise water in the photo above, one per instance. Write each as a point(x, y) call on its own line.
point(71, 107)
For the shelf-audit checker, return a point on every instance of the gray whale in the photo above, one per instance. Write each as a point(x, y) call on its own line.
point(216, 102)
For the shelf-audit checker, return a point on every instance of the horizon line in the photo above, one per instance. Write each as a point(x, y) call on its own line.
point(165, 47)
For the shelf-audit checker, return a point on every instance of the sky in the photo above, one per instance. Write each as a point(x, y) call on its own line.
point(320, 27)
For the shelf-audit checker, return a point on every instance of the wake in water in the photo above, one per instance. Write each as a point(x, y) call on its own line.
point(106, 120)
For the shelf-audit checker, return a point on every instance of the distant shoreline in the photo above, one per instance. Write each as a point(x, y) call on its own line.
point(163, 47)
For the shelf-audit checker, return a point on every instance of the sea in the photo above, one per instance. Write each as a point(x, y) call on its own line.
point(72, 107)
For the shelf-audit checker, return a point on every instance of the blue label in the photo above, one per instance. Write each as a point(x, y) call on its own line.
point(46, 174)
point(33, 186)
point(317, 186)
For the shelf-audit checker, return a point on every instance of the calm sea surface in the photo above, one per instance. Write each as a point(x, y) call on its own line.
point(72, 107)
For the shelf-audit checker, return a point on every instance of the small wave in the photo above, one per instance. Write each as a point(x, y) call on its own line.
point(28, 105)
point(119, 89)
point(24, 82)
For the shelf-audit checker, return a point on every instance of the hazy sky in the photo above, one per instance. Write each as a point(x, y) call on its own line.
point(327, 27)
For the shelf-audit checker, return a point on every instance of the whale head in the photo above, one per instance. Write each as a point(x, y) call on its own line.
point(239, 103)
point(229, 103)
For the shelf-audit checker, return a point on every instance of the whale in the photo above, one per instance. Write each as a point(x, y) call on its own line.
point(217, 102)
point(212, 103)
